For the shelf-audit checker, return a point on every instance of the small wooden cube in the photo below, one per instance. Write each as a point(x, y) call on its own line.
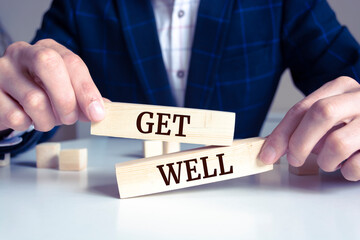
point(152, 148)
point(73, 159)
point(310, 167)
point(171, 147)
point(47, 155)
point(6, 161)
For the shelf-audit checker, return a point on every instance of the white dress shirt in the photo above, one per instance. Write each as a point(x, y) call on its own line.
point(175, 21)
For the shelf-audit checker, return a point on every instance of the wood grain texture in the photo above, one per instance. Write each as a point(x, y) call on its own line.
point(171, 124)
point(152, 148)
point(153, 175)
point(47, 155)
point(73, 159)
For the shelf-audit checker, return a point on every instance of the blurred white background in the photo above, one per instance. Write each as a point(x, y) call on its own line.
point(21, 18)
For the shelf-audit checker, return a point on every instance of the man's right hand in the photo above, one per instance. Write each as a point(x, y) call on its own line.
point(45, 84)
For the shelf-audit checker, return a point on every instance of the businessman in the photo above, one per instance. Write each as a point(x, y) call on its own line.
point(214, 54)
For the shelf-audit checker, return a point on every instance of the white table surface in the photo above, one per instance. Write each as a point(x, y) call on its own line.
point(51, 204)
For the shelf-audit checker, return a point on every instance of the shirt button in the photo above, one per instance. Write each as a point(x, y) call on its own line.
point(181, 13)
point(180, 74)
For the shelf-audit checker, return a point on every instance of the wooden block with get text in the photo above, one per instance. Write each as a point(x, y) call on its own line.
point(73, 159)
point(152, 148)
point(171, 147)
point(310, 167)
point(47, 155)
point(5, 161)
point(190, 168)
point(173, 124)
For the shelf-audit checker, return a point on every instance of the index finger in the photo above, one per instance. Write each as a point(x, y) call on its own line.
point(87, 95)
point(45, 68)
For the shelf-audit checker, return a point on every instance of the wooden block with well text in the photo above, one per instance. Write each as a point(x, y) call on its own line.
point(190, 168)
point(173, 124)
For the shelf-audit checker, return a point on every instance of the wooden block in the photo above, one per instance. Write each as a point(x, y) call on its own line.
point(152, 148)
point(73, 159)
point(171, 147)
point(310, 167)
point(6, 161)
point(47, 155)
point(171, 124)
point(190, 168)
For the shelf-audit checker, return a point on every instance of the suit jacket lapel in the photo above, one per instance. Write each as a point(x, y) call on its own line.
point(211, 29)
point(139, 27)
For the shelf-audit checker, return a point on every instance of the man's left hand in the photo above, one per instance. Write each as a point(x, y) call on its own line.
point(327, 123)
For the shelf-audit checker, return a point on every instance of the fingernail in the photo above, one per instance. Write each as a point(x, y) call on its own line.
point(293, 161)
point(96, 111)
point(70, 118)
point(268, 154)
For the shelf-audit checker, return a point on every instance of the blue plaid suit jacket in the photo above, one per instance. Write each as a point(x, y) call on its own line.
point(240, 50)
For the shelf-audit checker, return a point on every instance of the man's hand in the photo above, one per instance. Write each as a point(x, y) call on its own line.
point(45, 84)
point(326, 123)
